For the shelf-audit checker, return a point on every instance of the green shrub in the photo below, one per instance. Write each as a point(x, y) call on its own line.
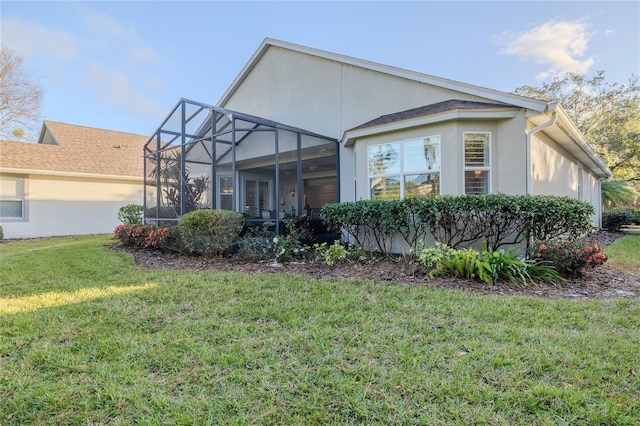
point(172, 240)
point(431, 256)
point(255, 245)
point(459, 221)
point(131, 213)
point(331, 255)
point(1, 234)
point(209, 232)
point(293, 243)
point(569, 258)
point(614, 220)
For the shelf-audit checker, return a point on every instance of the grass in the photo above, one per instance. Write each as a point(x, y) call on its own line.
point(86, 337)
point(624, 254)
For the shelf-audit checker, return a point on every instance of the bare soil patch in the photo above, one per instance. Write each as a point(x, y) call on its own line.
point(601, 283)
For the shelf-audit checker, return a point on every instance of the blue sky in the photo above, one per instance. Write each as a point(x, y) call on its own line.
point(123, 65)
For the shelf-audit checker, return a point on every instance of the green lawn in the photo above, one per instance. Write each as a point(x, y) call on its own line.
point(624, 254)
point(88, 338)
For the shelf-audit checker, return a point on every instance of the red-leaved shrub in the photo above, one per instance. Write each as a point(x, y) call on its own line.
point(139, 235)
point(570, 258)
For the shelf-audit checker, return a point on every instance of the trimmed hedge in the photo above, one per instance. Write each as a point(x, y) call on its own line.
point(614, 220)
point(460, 221)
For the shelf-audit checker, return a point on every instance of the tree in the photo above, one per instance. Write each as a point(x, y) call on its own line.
point(617, 193)
point(608, 115)
point(20, 98)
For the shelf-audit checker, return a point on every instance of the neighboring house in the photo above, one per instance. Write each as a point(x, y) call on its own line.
point(358, 130)
point(72, 182)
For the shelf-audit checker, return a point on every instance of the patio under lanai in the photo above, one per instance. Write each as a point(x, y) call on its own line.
point(203, 156)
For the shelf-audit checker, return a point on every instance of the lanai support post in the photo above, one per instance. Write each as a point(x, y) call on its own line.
point(234, 181)
point(183, 162)
point(299, 186)
point(277, 188)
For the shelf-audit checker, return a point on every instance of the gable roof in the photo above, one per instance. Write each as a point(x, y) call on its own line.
point(68, 149)
point(495, 95)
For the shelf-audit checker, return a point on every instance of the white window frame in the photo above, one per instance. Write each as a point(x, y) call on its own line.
point(474, 168)
point(219, 193)
point(22, 200)
point(402, 173)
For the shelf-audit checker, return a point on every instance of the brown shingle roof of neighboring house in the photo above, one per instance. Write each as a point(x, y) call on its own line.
point(430, 109)
point(68, 148)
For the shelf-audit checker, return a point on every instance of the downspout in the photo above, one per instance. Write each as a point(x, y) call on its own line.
point(551, 122)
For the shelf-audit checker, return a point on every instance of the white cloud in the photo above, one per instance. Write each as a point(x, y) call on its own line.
point(30, 38)
point(114, 86)
point(111, 35)
point(557, 44)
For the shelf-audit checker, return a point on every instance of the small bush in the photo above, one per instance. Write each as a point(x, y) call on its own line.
point(130, 214)
point(255, 245)
point(569, 258)
point(287, 247)
point(331, 255)
point(139, 235)
point(1, 234)
point(431, 256)
point(614, 220)
point(294, 243)
point(155, 238)
point(209, 232)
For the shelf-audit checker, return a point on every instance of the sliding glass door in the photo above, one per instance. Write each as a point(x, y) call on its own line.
point(257, 196)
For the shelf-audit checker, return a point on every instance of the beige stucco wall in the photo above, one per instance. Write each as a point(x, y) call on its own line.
point(329, 97)
point(507, 155)
point(59, 205)
point(325, 96)
point(556, 172)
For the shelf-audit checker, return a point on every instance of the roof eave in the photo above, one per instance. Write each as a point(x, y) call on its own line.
point(19, 171)
point(565, 133)
point(350, 136)
point(574, 135)
point(244, 72)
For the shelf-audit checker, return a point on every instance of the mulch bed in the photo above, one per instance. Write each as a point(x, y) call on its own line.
point(601, 283)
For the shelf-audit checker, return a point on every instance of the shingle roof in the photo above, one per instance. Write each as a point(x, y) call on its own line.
point(436, 108)
point(78, 149)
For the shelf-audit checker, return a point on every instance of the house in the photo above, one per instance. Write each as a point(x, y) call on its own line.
point(73, 181)
point(301, 127)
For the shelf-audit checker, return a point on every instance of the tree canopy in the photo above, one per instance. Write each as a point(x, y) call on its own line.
point(20, 98)
point(607, 114)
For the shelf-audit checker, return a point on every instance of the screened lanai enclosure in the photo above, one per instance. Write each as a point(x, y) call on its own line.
point(203, 156)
